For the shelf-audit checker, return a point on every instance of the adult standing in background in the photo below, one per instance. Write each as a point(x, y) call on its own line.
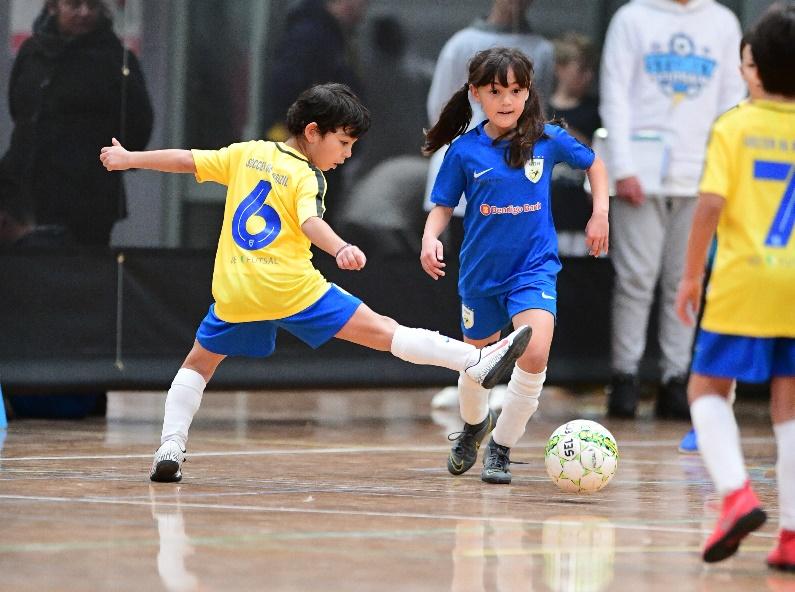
point(669, 67)
point(505, 26)
point(316, 46)
point(72, 86)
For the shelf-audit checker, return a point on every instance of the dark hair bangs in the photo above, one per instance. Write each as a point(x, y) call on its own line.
point(493, 68)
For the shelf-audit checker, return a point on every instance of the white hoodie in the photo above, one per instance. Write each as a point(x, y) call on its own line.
point(671, 68)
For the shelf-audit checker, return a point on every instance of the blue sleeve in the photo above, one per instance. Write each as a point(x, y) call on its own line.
point(451, 181)
point(570, 150)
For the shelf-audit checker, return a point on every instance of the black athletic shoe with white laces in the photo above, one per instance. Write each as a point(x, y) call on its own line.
point(495, 463)
point(167, 464)
point(467, 442)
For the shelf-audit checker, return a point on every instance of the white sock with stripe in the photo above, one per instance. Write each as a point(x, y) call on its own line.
point(182, 403)
point(719, 442)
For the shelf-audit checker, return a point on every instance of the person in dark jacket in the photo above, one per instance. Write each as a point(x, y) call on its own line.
point(72, 86)
point(316, 46)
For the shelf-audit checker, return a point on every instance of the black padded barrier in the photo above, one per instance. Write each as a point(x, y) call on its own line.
point(60, 310)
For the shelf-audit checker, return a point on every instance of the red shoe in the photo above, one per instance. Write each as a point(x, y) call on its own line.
point(783, 556)
point(740, 514)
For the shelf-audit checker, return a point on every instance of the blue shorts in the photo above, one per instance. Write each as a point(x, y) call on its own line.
point(483, 317)
point(314, 325)
point(747, 359)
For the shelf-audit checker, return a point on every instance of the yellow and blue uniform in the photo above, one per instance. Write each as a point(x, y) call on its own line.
point(749, 319)
point(263, 276)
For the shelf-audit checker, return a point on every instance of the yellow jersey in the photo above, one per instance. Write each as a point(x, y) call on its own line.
point(263, 265)
point(751, 164)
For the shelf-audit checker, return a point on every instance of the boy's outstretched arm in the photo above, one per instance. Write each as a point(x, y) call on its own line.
point(117, 158)
point(348, 256)
point(597, 231)
point(705, 221)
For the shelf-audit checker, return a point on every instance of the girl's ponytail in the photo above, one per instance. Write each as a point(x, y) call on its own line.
point(453, 122)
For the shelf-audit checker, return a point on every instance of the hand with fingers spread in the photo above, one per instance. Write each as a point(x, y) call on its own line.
point(115, 157)
point(432, 257)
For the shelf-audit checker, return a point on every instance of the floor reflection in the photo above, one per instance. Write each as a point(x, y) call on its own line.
point(175, 545)
point(579, 553)
point(575, 554)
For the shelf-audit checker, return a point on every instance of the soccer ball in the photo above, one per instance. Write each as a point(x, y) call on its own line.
point(581, 456)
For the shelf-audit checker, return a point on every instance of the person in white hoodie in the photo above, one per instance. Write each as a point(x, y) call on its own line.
point(669, 68)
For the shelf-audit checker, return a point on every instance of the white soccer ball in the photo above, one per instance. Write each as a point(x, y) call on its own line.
point(581, 456)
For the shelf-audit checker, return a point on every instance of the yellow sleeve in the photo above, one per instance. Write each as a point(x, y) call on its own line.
point(212, 165)
point(717, 170)
point(309, 194)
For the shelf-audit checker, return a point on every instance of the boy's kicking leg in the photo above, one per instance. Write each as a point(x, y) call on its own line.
point(182, 403)
point(782, 411)
point(719, 444)
point(420, 346)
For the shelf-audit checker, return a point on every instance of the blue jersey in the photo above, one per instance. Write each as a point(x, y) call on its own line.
point(509, 235)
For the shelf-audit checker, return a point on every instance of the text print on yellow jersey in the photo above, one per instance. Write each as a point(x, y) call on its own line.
point(254, 206)
point(784, 220)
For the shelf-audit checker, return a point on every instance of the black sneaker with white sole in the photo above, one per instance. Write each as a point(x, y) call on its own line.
point(496, 460)
point(467, 443)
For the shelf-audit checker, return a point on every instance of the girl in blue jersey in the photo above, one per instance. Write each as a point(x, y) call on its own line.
point(509, 257)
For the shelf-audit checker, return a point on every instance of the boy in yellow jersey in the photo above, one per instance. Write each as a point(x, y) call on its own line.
point(747, 193)
point(263, 277)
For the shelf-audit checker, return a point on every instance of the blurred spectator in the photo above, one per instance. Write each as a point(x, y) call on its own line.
point(316, 46)
point(17, 231)
point(383, 212)
point(669, 66)
point(72, 87)
point(572, 102)
point(506, 25)
point(396, 85)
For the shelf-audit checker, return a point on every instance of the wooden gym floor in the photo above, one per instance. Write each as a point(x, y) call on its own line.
point(348, 490)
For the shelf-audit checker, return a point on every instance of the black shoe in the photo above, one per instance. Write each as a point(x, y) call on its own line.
point(495, 464)
point(672, 400)
point(467, 442)
point(622, 396)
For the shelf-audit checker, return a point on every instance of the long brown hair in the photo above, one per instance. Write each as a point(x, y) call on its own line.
point(490, 67)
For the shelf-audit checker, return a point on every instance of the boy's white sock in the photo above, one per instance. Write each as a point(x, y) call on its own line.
point(785, 472)
point(719, 442)
point(182, 403)
point(420, 346)
point(521, 401)
point(473, 400)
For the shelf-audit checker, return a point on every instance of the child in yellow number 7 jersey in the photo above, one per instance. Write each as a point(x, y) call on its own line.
point(747, 333)
point(263, 277)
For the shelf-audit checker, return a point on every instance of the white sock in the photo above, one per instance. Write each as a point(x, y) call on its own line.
point(521, 401)
point(182, 403)
point(473, 400)
point(719, 442)
point(420, 346)
point(785, 473)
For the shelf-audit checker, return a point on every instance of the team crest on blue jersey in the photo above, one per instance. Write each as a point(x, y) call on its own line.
point(679, 71)
point(467, 316)
point(534, 168)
